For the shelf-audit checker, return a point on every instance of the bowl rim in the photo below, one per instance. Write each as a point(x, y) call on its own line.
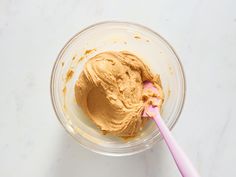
point(151, 143)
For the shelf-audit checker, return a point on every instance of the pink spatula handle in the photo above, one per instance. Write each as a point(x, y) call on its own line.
point(185, 166)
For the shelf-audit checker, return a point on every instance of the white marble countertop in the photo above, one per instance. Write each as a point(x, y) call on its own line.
point(33, 143)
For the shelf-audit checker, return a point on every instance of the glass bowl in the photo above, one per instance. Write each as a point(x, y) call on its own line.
point(143, 42)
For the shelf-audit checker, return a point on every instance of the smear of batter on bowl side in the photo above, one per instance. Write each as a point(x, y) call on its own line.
point(137, 37)
point(89, 51)
point(69, 74)
point(110, 92)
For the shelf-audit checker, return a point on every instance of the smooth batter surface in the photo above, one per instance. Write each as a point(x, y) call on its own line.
point(110, 92)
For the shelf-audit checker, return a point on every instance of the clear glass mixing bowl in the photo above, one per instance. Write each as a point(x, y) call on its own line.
point(145, 43)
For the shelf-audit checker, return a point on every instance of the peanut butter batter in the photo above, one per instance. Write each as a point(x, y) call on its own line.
point(110, 92)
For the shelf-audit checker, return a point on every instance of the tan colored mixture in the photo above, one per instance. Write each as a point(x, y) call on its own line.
point(110, 92)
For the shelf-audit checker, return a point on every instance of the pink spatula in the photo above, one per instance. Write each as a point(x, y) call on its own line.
point(152, 111)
